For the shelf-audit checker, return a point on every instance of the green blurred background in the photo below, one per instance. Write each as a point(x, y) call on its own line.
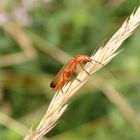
point(36, 38)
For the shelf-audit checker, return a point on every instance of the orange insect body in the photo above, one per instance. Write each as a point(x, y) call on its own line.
point(65, 74)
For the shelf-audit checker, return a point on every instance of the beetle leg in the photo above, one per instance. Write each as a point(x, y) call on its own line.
point(64, 80)
point(78, 79)
point(81, 65)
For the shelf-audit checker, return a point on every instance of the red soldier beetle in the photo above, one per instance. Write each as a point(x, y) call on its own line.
point(68, 70)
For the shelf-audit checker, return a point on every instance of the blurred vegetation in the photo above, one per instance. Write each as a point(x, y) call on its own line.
point(37, 38)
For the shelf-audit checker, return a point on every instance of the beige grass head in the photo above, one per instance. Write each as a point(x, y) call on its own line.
point(104, 55)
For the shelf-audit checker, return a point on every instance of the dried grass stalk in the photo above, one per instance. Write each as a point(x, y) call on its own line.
point(104, 55)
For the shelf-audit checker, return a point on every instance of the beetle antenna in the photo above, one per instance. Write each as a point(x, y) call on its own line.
point(105, 67)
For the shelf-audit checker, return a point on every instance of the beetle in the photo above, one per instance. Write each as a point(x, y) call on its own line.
point(68, 70)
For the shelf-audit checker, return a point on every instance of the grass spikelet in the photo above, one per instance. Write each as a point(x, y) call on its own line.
point(104, 55)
